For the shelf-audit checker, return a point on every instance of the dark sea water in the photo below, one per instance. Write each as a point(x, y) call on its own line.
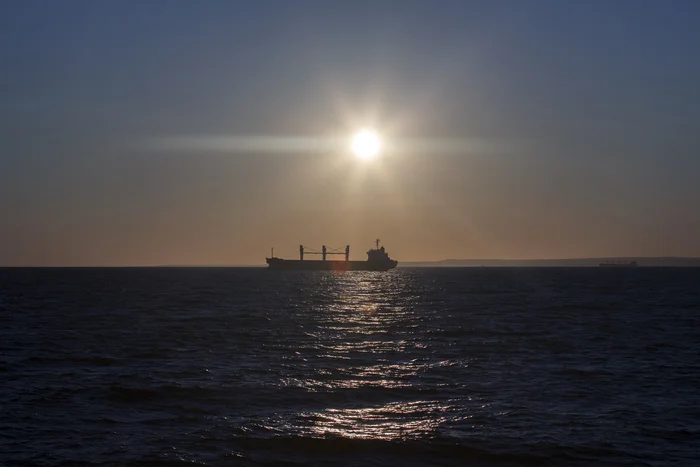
point(411, 367)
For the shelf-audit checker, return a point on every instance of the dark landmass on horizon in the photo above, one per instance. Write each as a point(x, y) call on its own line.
point(665, 261)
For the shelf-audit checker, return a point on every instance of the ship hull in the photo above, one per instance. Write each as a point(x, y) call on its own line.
point(314, 265)
point(625, 264)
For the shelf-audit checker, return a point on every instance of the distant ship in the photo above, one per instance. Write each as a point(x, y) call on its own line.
point(377, 260)
point(618, 264)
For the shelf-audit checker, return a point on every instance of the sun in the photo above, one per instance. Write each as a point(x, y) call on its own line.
point(366, 144)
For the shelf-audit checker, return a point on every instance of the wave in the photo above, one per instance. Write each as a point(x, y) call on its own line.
point(430, 451)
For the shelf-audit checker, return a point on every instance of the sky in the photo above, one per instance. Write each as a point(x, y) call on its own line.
point(204, 133)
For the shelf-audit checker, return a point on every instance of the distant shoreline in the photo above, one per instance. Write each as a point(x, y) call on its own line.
point(667, 261)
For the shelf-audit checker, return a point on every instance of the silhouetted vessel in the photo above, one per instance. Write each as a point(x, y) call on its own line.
point(618, 264)
point(377, 260)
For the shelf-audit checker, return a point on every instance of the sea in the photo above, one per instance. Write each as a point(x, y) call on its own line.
point(411, 367)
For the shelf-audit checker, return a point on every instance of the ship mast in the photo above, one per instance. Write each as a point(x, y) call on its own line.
point(377, 242)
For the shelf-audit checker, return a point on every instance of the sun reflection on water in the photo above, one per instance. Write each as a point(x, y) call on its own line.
point(372, 354)
point(394, 420)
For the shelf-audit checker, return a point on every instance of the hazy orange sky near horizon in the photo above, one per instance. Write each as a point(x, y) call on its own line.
point(511, 131)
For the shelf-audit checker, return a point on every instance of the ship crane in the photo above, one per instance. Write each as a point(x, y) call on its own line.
point(324, 251)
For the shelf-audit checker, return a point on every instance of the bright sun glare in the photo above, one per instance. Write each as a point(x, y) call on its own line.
point(366, 144)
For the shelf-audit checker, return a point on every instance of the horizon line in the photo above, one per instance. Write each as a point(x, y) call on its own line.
point(418, 262)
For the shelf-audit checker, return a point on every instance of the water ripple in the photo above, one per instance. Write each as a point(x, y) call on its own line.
point(411, 367)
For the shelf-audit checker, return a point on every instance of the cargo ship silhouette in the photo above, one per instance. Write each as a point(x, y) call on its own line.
point(377, 260)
